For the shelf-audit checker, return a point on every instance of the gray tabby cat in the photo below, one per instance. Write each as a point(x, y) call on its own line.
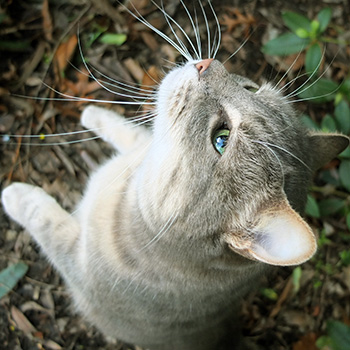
point(175, 228)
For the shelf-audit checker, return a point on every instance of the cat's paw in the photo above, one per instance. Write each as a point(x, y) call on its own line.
point(89, 118)
point(21, 201)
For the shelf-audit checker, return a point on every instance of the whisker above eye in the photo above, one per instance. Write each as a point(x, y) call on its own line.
point(275, 155)
point(282, 149)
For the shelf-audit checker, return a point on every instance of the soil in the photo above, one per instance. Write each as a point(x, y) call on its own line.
point(40, 43)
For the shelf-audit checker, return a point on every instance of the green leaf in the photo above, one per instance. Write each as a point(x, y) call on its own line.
point(297, 272)
point(324, 342)
point(321, 90)
point(312, 208)
point(309, 123)
point(345, 90)
point(331, 206)
point(345, 154)
point(345, 257)
point(10, 276)
point(328, 124)
point(330, 178)
point(295, 21)
point(113, 39)
point(313, 58)
point(344, 173)
point(269, 293)
point(315, 25)
point(342, 116)
point(3, 16)
point(302, 33)
point(8, 45)
point(286, 44)
point(324, 17)
point(348, 220)
point(340, 335)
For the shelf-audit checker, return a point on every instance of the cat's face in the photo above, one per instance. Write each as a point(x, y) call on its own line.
point(229, 155)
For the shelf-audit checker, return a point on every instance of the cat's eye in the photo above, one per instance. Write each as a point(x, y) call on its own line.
point(251, 88)
point(220, 140)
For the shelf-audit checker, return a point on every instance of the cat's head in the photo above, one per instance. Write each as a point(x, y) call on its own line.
point(235, 162)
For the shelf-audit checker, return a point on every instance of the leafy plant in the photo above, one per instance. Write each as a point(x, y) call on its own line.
point(309, 36)
point(337, 338)
point(305, 35)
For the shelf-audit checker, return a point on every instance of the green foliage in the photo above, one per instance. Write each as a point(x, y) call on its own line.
point(345, 257)
point(305, 35)
point(100, 33)
point(297, 272)
point(312, 208)
point(113, 39)
point(337, 338)
point(319, 91)
point(10, 276)
point(269, 293)
point(286, 44)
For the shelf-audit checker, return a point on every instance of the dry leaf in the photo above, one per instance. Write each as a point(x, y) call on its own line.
point(22, 322)
point(51, 345)
point(239, 19)
point(150, 40)
point(307, 342)
point(151, 78)
point(64, 53)
point(134, 69)
point(149, 81)
point(47, 21)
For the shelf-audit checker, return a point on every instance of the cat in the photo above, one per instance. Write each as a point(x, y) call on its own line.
point(180, 224)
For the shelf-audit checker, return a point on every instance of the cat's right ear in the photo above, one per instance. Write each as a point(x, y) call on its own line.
point(279, 237)
point(325, 147)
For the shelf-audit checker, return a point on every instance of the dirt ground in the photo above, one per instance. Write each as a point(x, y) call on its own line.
point(39, 43)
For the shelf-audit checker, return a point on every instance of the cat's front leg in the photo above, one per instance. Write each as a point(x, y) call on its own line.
point(115, 129)
point(52, 227)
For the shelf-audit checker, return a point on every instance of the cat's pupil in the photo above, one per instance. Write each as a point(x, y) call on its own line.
point(220, 140)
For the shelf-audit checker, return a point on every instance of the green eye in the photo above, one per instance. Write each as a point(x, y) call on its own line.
point(220, 140)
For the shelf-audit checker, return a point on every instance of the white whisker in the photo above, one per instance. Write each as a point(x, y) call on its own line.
point(118, 84)
point(161, 232)
point(297, 91)
point(218, 29)
point(67, 97)
point(239, 48)
point(288, 70)
point(284, 150)
point(207, 26)
point(60, 143)
point(265, 144)
point(141, 19)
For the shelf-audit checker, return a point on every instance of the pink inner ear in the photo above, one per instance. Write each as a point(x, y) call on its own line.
point(280, 237)
point(283, 238)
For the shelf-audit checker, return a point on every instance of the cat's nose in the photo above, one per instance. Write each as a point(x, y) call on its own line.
point(202, 66)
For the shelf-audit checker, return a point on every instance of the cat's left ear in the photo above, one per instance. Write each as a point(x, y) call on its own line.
point(279, 237)
point(325, 147)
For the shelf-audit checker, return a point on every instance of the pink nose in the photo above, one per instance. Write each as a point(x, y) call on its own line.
point(202, 66)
